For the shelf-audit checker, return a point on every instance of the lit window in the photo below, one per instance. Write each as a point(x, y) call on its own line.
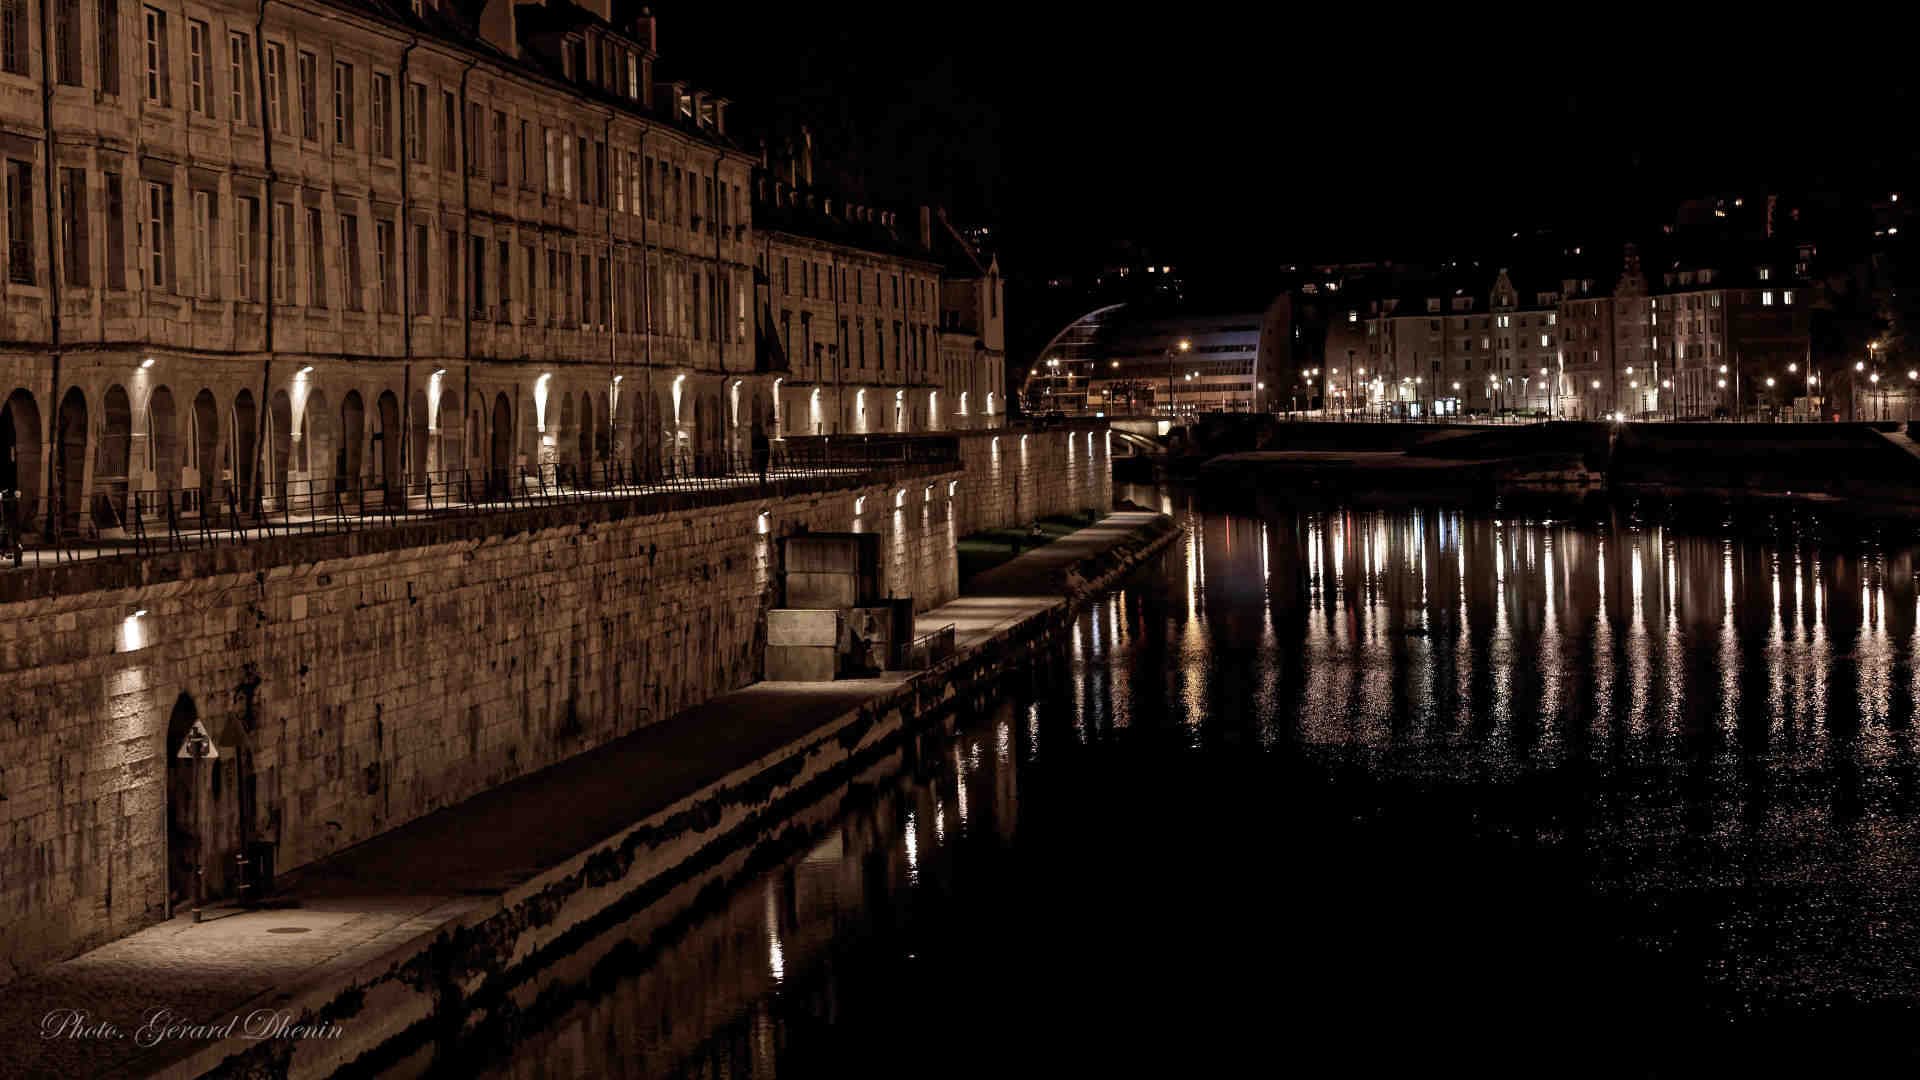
point(1787, 297)
point(1766, 298)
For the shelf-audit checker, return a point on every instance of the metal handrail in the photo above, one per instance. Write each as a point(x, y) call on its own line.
point(144, 521)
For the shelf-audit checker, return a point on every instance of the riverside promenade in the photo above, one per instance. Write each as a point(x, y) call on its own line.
point(348, 968)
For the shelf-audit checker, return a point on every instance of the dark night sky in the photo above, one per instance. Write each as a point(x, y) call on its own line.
point(1230, 142)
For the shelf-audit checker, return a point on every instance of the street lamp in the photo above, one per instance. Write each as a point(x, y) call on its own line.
point(1172, 410)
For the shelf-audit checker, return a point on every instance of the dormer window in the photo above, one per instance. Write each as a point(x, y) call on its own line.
point(683, 102)
point(1706, 277)
point(633, 75)
point(1433, 303)
point(1766, 273)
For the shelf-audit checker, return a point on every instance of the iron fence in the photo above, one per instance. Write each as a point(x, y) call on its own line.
point(928, 649)
point(118, 520)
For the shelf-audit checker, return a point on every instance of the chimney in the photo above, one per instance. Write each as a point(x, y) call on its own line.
point(643, 30)
point(806, 155)
point(601, 8)
point(497, 27)
point(926, 226)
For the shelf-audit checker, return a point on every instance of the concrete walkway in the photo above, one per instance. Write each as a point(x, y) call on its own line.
point(387, 891)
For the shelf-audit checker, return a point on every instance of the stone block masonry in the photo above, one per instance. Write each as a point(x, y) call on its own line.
point(354, 683)
point(1017, 475)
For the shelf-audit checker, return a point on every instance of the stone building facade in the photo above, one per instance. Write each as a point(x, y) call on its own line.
point(1574, 342)
point(261, 256)
point(873, 328)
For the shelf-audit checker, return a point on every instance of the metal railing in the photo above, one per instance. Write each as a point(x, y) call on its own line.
point(928, 649)
point(117, 520)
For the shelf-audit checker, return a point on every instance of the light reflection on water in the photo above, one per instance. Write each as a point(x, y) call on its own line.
point(1618, 765)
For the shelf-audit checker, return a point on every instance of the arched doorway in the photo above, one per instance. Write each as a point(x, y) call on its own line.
point(203, 808)
point(349, 461)
point(70, 467)
point(245, 451)
point(588, 438)
point(500, 457)
point(420, 434)
point(20, 442)
point(320, 443)
point(205, 446)
point(566, 443)
point(112, 459)
point(453, 446)
point(388, 453)
point(279, 447)
point(163, 442)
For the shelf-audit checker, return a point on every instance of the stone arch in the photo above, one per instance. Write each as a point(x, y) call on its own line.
point(163, 439)
point(566, 442)
point(320, 445)
point(20, 443)
point(279, 448)
point(204, 446)
point(244, 450)
point(585, 437)
point(420, 437)
point(349, 458)
point(113, 458)
point(70, 462)
point(500, 447)
point(392, 483)
point(453, 444)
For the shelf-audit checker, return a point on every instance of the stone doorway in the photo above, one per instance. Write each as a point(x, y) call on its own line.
point(203, 810)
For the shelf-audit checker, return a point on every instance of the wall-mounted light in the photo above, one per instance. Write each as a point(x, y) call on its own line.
point(765, 522)
point(859, 505)
point(952, 487)
point(308, 370)
point(617, 378)
point(147, 363)
point(140, 614)
point(900, 497)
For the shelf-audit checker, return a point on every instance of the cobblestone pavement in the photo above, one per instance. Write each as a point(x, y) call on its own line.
point(375, 897)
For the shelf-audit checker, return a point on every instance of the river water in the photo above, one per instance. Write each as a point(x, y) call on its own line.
point(1363, 790)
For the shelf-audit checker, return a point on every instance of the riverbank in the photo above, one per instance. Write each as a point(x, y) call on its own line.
point(1862, 468)
point(426, 934)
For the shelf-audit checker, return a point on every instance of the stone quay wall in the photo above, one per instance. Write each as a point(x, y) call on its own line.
point(1018, 474)
point(354, 682)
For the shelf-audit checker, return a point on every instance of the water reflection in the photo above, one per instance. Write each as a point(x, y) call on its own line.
point(1613, 778)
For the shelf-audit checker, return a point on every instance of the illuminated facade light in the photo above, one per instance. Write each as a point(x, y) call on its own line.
point(147, 363)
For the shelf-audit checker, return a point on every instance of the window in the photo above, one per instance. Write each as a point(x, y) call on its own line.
point(116, 233)
point(416, 139)
point(553, 283)
point(14, 31)
point(202, 240)
point(246, 248)
point(477, 275)
point(246, 261)
point(566, 289)
point(109, 27)
point(343, 104)
point(350, 261)
point(526, 155)
point(159, 83)
point(476, 139)
point(528, 293)
point(450, 274)
point(66, 40)
point(581, 164)
point(600, 175)
point(551, 159)
point(652, 194)
point(499, 147)
point(420, 256)
point(503, 278)
point(316, 259)
point(383, 266)
point(1766, 298)
point(73, 226)
point(284, 267)
point(1787, 297)
point(450, 121)
point(309, 100)
point(566, 167)
point(240, 74)
point(159, 236)
point(382, 114)
point(276, 61)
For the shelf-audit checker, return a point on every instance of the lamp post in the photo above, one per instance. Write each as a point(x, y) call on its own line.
point(1172, 411)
